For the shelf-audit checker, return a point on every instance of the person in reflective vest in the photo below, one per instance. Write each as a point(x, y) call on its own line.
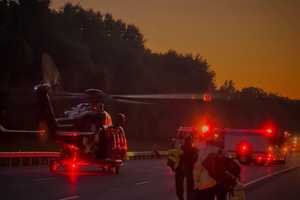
point(204, 184)
point(189, 157)
point(117, 138)
point(175, 163)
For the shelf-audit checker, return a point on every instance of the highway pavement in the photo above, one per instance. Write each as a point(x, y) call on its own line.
point(140, 179)
point(282, 187)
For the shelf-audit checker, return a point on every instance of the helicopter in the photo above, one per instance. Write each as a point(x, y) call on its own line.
point(85, 126)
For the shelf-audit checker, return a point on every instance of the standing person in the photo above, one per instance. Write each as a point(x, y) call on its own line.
point(205, 185)
point(189, 158)
point(176, 164)
point(121, 140)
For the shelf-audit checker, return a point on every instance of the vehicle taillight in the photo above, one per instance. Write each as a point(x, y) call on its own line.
point(259, 158)
point(270, 157)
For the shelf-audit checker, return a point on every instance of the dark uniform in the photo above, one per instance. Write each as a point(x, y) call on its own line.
point(182, 160)
point(176, 164)
point(189, 158)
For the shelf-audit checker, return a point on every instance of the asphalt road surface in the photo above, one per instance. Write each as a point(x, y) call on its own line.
point(282, 187)
point(145, 179)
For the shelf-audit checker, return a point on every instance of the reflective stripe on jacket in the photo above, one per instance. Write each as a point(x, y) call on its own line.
point(202, 179)
point(174, 155)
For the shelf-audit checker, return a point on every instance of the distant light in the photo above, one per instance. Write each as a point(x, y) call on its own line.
point(270, 148)
point(207, 98)
point(73, 165)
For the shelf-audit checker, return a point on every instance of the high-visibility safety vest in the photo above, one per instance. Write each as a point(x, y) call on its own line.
point(117, 137)
point(174, 155)
point(202, 179)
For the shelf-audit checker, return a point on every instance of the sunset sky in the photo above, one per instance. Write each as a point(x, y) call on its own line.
point(253, 42)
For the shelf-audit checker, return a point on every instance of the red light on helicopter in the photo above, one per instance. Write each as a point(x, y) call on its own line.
point(207, 98)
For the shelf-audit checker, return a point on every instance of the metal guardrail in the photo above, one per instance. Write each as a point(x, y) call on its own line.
point(28, 154)
point(11, 159)
point(146, 155)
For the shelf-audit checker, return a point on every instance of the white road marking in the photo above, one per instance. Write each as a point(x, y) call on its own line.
point(269, 176)
point(70, 198)
point(142, 183)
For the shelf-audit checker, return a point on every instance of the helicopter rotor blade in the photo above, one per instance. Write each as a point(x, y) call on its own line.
point(68, 95)
point(4, 130)
point(132, 101)
point(179, 96)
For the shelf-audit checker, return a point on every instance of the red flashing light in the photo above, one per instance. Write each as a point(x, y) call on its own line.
point(205, 128)
point(244, 148)
point(74, 134)
point(269, 132)
point(259, 158)
point(207, 98)
point(73, 165)
point(42, 131)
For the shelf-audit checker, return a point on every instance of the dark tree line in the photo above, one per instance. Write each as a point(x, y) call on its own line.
point(90, 49)
point(94, 50)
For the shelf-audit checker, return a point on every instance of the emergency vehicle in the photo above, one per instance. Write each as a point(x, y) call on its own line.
point(253, 146)
point(245, 145)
